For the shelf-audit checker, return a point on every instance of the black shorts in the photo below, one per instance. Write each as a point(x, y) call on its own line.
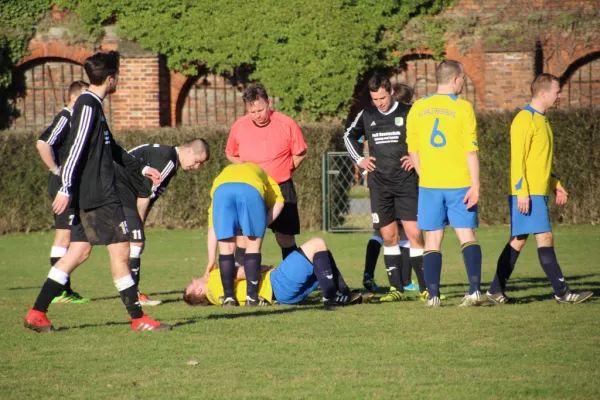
point(288, 222)
point(135, 225)
point(105, 225)
point(130, 187)
point(393, 204)
point(69, 219)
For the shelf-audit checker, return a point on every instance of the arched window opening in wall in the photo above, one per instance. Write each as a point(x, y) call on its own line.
point(210, 99)
point(41, 88)
point(581, 83)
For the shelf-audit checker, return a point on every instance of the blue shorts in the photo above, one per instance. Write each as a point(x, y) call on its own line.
point(537, 221)
point(441, 207)
point(294, 279)
point(238, 205)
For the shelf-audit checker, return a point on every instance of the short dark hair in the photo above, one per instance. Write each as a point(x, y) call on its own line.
point(77, 87)
point(403, 93)
point(193, 300)
point(254, 93)
point(100, 66)
point(448, 69)
point(542, 82)
point(199, 146)
point(378, 81)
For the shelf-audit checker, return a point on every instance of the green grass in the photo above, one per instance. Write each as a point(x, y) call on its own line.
point(537, 349)
point(359, 192)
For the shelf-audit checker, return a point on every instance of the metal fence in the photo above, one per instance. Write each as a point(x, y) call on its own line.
point(346, 204)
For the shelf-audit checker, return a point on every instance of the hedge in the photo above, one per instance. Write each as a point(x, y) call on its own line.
point(26, 206)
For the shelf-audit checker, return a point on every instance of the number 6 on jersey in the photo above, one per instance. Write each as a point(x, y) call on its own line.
point(437, 137)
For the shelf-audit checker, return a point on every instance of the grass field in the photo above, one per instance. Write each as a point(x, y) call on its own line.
point(537, 349)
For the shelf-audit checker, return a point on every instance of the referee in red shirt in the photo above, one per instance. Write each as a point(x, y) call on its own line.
point(274, 142)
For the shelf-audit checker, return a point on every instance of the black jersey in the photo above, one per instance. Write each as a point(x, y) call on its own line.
point(56, 135)
point(386, 135)
point(130, 185)
point(90, 165)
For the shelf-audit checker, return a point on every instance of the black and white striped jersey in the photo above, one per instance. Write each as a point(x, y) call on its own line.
point(131, 186)
point(386, 135)
point(92, 154)
point(56, 135)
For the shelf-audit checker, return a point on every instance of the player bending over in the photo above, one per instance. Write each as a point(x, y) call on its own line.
point(138, 194)
point(299, 274)
point(243, 197)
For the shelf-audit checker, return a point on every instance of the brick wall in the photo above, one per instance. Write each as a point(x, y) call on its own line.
point(136, 103)
point(149, 95)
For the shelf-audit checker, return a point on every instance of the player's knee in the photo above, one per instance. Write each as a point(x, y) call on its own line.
point(545, 239)
point(136, 250)
point(518, 242)
point(285, 241)
point(62, 238)
point(316, 245)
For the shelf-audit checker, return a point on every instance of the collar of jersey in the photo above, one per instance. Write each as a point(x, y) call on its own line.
point(452, 96)
point(391, 110)
point(532, 110)
point(93, 95)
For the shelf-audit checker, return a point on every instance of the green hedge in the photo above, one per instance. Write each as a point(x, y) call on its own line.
point(26, 207)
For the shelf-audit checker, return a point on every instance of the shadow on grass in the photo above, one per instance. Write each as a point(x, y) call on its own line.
point(152, 294)
point(267, 311)
point(110, 323)
point(25, 288)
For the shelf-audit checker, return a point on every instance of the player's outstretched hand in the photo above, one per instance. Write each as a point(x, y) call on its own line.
point(367, 163)
point(561, 196)
point(153, 174)
point(60, 203)
point(523, 204)
point(406, 163)
point(472, 197)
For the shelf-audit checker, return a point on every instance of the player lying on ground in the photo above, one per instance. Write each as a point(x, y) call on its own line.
point(300, 273)
point(243, 197)
point(138, 194)
point(531, 144)
point(52, 146)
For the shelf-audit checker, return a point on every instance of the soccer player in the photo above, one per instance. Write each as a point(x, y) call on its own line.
point(392, 183)
point(531, 179)
point(306, 268)
point(274, 142)
point(442, 143)
point(243, 197)
point(89, 174)
point(52, 146)
point(138, 194)
point(402, 94)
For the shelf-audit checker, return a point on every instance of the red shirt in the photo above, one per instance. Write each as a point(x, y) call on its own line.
point(271, 147)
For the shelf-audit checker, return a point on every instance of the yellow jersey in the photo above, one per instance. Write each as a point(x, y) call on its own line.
point(442, 129)
point(214, 288)
point(531, 146)
point(252, 175)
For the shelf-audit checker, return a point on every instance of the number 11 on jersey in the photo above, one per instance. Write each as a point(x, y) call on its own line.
point(437, 138)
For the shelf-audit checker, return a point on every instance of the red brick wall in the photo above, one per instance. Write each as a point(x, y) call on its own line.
point(149, 95)
point(136, 103)
point(507, 79)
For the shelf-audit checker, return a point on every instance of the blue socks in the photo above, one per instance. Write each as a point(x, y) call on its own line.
point(472, 257)
point(324, 273)
point(504, 269)
point(547, 258)
point(432, 269)
point(228, 273)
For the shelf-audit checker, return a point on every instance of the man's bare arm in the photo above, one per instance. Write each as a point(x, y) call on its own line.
point(416, 161)
point(233, 159)
point(45, 151)
point(299, 159)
